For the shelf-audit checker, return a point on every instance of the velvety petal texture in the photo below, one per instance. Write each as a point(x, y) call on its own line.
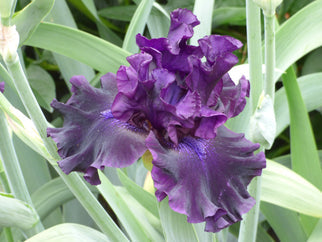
point(173, 99)
point(207, 179)
point(91, 137)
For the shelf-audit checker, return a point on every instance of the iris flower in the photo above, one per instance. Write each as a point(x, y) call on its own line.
point(1, 86)
point(172, 100)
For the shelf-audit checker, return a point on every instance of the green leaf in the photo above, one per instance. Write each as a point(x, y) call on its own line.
point(30, 17)
point(146, 199)
point(93, 51)
point(43, 86)
point(83, 8)
point(173, 4)
point(87, 7)
point(52, 195)
point(299, 35)
point(122, 13)
point(286, 159)
point(311, 89)
point(175, 225)
point(60, 14)
point(235, 3)
point(15, 213)
point(150, 223)
point(158, 22)
point(285, 223)
point(74, 212)
point(229, 16)
point(203, 236)
point(312, 63)
point(68, 232)
point(283, 187)
point(262, 235)
point(305, 158)
point(31, 163)
point(107, 34)
point(90, 5)
point(137, 25)
point(304, 155)
point(122, 211)
point(317, 233)
point(203, 10)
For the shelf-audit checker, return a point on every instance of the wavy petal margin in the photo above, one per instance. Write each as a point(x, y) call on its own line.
point(207, 179)
point(91, 137)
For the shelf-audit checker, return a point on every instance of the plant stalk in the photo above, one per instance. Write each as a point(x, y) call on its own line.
point(13, 171)
point(248, 227)
point(269, 55)
point(8, 234)
point(254, 50)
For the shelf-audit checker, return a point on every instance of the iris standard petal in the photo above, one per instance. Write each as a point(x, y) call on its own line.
point(233, 97)
point(91, 137)
point(181, 28)
point(218, 46)
point(207, 179)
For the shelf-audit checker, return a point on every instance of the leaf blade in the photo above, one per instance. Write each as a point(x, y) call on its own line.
point(283, 187)
point(78, 45)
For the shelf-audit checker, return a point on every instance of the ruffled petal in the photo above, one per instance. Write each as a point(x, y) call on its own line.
point(91, 137)
point(233, 97)
point(181, 28)
point(205, 76)
point(207, 179)
point(216, 47)
point(208, 123)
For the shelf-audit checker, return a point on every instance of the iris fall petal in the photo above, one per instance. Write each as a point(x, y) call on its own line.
point(91, 137)
point(207, 179)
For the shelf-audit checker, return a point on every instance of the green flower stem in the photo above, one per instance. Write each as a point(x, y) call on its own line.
point(269, 55)
point(90, 203)
point(73, 181)
point(248, 228)
point(254, 49)
point(5, 185)
point(30, 103)
point(8, 234)
point(13, 171)
point(3, 179)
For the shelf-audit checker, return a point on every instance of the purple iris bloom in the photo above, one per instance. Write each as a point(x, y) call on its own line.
point(1, 86)
point(172, 100)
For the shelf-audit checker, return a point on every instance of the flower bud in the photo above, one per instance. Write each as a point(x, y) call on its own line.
point(9, 42)
point(16, 213)
point(268, 6)
point(262, 128)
